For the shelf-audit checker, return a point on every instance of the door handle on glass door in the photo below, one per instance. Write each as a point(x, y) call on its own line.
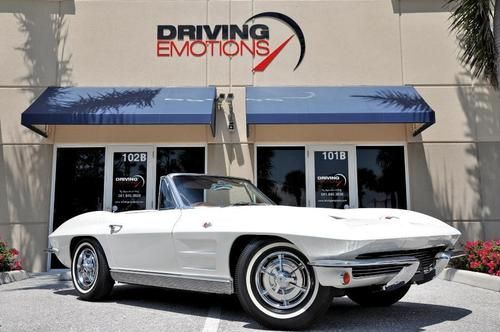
point(115, 228)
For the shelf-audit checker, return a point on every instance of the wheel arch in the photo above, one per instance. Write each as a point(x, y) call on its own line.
point(77, 239)
point(242, 241)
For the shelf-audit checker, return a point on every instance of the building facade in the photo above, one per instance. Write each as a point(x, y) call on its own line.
point(108, 54)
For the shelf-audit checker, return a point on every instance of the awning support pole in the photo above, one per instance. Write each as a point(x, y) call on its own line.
point(38, 131)
point(422, 128)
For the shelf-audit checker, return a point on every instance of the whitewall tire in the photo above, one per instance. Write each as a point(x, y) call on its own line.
point(275, 285)
point(90, 271)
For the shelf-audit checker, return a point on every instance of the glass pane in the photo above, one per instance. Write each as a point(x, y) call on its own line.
point(381, 177)
point(179, 160)
point(166, 200)
point(281, 174)
point(207, 190)
point(129, 180)
point(79, 185)
point(331, 174)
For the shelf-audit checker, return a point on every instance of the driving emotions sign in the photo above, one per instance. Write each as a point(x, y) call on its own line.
point(231, 40)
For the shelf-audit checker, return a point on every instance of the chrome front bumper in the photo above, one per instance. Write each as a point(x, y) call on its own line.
point(390, 273)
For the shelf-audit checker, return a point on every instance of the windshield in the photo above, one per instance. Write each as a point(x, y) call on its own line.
point(202, 190)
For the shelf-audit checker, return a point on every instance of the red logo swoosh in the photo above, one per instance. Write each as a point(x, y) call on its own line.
point(267, 61)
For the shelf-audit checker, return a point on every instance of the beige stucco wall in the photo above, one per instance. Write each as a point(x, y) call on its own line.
point(456, 159)
point(453, 165)
point(25, 177)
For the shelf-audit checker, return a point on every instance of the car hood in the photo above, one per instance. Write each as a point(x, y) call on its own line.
point(354, 224)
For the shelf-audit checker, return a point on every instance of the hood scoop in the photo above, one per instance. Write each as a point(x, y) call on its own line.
point(336, 217)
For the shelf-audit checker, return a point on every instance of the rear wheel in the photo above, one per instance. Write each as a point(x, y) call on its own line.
point(373, 297)
point(90, 271)
point(276, 286)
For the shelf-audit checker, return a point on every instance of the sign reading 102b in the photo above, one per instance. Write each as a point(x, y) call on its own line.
point(334, 155)
point(134, 156)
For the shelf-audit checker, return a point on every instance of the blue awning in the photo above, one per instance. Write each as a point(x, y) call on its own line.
point(337, 105)
point(121, 106)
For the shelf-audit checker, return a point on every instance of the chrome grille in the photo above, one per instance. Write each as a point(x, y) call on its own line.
point(366, 271)
point(425, 256)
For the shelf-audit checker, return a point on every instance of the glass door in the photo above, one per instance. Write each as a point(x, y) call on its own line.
point(331, 176)
point(130, 179)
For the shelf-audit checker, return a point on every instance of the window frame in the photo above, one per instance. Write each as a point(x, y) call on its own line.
point(287, 145)
point(405, 159)
point(53, 187)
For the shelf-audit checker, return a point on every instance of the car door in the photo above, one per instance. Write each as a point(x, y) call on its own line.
point(196, 240)
point(142, 240)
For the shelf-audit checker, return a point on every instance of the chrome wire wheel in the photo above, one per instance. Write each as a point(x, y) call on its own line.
point(282, 280)
point(87, 268)
point(275, 284)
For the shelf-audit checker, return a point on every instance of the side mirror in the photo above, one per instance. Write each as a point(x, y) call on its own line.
point(114, 208)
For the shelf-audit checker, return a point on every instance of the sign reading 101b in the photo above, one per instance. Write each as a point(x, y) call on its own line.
point(331, 170)
point(334, 155)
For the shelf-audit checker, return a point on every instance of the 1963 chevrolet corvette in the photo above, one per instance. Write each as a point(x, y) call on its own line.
point(285, 264)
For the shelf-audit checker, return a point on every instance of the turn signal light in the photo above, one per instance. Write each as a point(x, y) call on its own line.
point(346, 278)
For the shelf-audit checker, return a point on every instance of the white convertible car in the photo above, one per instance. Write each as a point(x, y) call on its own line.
point(222, 235)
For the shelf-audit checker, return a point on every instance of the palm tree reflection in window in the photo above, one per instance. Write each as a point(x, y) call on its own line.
point(295, 183)
point(281, 174)
point(265, 180)
point(381, 177)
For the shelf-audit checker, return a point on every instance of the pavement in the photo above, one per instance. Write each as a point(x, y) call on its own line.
point(44, 303)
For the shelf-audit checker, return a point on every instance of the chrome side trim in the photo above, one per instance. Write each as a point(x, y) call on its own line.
point(175, 281)
point(363, 262)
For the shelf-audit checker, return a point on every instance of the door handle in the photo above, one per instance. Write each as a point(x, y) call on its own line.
point(115, 228)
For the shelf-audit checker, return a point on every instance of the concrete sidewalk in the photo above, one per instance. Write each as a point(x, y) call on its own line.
point(43, 303)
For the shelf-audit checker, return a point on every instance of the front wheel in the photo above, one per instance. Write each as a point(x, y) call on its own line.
point(90, 271)
point(372, 297)
point(275, 285)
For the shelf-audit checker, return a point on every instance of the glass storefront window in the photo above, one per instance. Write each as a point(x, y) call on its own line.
point(179, 160)
point(381, 177)
point(79, 185)
point(281, 174)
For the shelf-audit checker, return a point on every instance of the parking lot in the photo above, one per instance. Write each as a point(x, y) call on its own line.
point(43, 303)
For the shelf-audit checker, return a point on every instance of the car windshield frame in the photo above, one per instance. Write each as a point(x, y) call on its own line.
point(185, 203)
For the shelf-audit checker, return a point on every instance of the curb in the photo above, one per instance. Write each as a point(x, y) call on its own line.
point(11, 276)
point(476, 279)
